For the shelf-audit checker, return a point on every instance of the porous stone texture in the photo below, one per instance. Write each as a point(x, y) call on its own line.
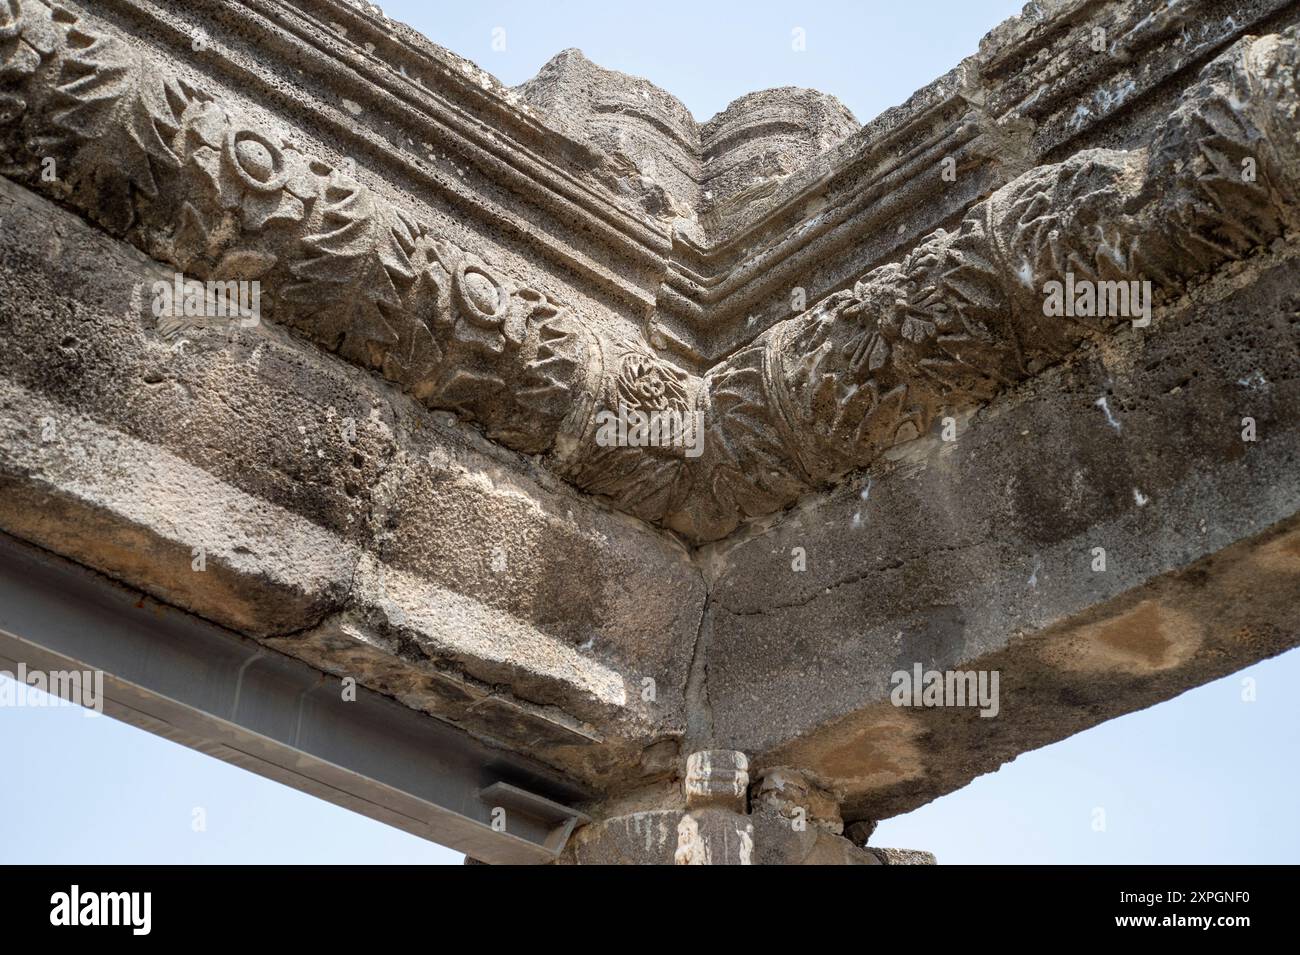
point(380, 281)
point(778, 842)
point(798, 823)
point(336, 520)
point(792, 796)
point(648, 837)
point(903, 857)
point(979, 554)
point(394, 468)
point(714, 837)
point(649, 140)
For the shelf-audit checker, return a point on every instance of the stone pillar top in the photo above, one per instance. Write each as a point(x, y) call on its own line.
point(717, 778)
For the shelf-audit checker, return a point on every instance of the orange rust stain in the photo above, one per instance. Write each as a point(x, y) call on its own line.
point(1280, 556)
point(1151, 636)
point(1139, 635)
point(866, 755)
point(872, 750)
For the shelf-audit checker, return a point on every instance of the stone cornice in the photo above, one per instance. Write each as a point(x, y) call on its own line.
point(432, 120)
point(1032, 94)
point(1024, 98)
point(461, 98)
point(1028, 96)
point(150, 150)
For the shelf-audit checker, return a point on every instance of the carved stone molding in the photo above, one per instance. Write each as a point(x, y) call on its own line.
point(156, 158)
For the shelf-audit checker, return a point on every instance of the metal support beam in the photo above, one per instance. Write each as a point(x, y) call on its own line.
point(225, 695)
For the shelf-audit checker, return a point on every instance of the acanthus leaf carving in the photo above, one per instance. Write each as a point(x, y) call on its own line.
point(349, 289)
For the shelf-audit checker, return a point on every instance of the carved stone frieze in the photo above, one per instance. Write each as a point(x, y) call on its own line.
point(184, 175)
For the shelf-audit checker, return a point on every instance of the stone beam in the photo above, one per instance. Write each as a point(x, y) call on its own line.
point(1119, 530)
point(261, 485)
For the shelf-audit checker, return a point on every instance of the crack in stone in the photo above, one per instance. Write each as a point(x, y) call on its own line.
point(699, 709)
point(822, 591)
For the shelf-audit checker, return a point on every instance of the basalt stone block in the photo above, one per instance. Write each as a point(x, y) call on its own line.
point(1110, 534)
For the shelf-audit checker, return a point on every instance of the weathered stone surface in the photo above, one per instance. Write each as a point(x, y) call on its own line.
point(977, 554)
point(385, 286)
point(903, 856)
point(337, 521)
point(648, 837)
point(673, 166)
point(395, 469)
point(714, 837)
point(859, 832)
point(796, 822)
point(794, 797)
point(778, 842)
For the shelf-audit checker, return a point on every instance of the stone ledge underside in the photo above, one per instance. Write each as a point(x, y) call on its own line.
point(978, 554)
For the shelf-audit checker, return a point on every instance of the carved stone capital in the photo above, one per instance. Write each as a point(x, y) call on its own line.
point(717, 778)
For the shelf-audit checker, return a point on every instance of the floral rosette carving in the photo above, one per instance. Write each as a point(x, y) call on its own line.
point(901, 309)
point(644, 383)
point(510, 359)
point(873, 308)
point(27, 36)
point(478, 307)
point(247, 180)
point(147, 154)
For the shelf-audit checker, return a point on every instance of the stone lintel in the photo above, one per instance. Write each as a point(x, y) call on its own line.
point(245, 477)
point(1117, 531)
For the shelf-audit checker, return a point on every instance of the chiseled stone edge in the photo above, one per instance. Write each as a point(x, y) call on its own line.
point(298, 569)
point(142, 515)
point(136, 511)
point(728, 291)
point(369, 67)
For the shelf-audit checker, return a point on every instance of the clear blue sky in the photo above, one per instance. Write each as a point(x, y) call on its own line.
point(1204, 778)
point(871, 54)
